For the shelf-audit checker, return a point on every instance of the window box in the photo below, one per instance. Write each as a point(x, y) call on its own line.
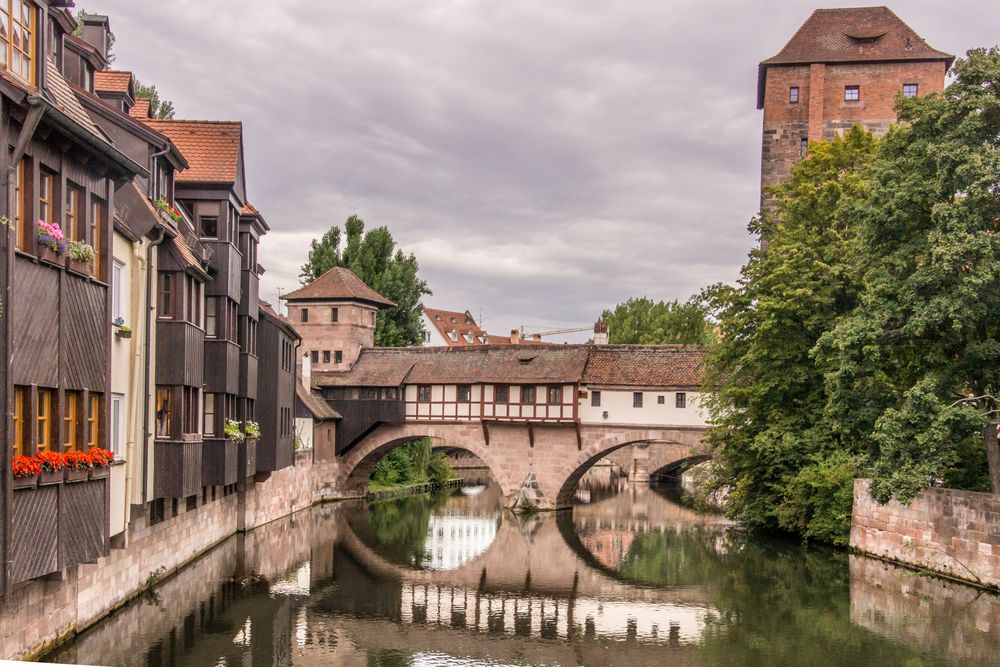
point(25, 482)
point(78, 266)
point(47, 254)
point(100, 472)
point(47, 477)
point(76, 475)
point(123, 333)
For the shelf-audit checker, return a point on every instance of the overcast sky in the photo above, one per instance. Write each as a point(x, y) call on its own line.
point(543, 159)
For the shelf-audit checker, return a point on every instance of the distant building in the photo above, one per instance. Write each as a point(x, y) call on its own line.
point(843, 67)
point(451, 328)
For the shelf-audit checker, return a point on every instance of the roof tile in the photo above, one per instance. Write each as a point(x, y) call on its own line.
point(339, 283)
point(112, 81)
point(212, 148)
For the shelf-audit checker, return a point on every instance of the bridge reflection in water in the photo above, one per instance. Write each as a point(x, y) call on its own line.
point(630, 578)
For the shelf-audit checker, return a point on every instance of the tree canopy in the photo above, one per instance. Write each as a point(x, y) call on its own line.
point(646, 322)
point(374, 258)
point(864, 339)
point(158, 108)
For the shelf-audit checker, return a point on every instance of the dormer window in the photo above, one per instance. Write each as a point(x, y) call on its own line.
point(453, 335)
point(468, 338)
point(17, 38)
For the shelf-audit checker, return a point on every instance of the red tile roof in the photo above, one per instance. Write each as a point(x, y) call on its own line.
point(112, 81)
point(249, 209)
point(212, 148)
point(461, 324)
point(317, 405)
point(610, 365)
point(66, 100)
point(860, 34)
point(140, 109)
point(336, 284)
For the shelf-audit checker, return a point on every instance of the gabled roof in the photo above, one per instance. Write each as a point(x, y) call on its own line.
point(338, 284)
point(644, 365)
point(316, 405)
point(213, 148)
point(140, 109)
point(460, 323)
point(280, 320)
point(113, 81)
point(65, 100)
point(858, 34)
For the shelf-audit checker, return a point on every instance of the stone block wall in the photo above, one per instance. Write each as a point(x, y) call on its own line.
point(956, 533)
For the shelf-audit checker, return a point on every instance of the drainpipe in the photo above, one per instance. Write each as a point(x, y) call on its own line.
point(36, 109)
point(150, 279)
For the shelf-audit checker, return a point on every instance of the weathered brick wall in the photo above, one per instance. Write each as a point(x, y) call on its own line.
point(289, 490)
point(953, 532)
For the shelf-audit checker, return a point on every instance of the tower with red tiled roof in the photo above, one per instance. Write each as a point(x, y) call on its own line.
point(842, 67)
point(336, 316)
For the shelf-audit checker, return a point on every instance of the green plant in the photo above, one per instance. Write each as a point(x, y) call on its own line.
point(232, 431)
point(252, 430)
point(81, 251)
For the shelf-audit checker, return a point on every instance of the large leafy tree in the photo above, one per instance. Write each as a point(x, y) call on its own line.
point(914, 371)
point(784, 467)
point(647, 322)
point(159, 108)
point(374, 258)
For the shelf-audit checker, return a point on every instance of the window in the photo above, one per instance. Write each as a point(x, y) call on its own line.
point(117, 288)
point(304, 315)
point(194, 291)
point(209, 414)
point(501, 394)
point(314, 356)
point(46, 192)
point(167, 296)
point(803, 146)
point(43, 418)
point(464, 393)
point(427, 336)
point(209, 226)
point(852, 93)
point(20, 441)
point(21, 208)
point(71, 416)
point(211, 317)
point(164, 412)
point(326, 356)
point(373, 317)
point(118, 426)
point(595, 399)
point(335, 314)
point(468, 338)
point(555, 395)
point(338, 357)
point(192, 411)
point(453, 335)
point(793, 94)
point(661, 400)
point(98, 217)
point(681, 400)
point(17, 38)
point(72, 227)
point(910, 90)
point(527, 395)
point(424, 393)
point(637, 399)
point(94, 420)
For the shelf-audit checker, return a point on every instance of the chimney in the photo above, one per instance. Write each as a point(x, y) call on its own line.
point(306, 371)
point(515, 337)
point(97, 32)
point(601, 333)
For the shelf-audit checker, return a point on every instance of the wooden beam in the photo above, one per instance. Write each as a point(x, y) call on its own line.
point(531, 435)
point(486, 433)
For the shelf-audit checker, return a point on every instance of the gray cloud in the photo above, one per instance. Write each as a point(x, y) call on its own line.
point(543, 160)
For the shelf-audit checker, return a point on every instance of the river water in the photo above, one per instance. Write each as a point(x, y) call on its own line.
point(630, 577)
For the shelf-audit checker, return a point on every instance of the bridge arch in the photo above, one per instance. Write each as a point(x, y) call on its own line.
point(680, 444)
point(357, 463)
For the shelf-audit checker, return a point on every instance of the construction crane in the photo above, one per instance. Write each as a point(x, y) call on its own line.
point(552, 332)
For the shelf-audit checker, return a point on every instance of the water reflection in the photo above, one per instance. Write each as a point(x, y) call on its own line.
point(631, 578)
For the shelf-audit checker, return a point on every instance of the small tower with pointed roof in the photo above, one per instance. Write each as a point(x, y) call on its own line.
point(335, 314)
point(842, 67)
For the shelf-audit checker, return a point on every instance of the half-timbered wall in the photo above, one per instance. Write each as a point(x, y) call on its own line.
point(550, 403)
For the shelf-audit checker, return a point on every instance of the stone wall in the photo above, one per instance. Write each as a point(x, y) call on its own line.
point(956, 533)
point(42, 612)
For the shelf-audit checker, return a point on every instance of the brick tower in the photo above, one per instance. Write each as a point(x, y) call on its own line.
point(843, 66)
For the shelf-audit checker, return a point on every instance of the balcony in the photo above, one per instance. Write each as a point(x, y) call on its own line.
point(360, 416)
point(177, 468)
point(180, 354)
point(58, 524)
point(222, 366)
point(219, 463)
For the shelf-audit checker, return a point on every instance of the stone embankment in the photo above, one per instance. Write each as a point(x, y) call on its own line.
point(952, 533)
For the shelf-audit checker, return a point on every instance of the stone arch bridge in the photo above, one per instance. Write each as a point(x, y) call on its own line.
point(537, 464)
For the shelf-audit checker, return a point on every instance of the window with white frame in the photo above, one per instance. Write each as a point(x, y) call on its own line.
point(118, 291)
point(118, 426)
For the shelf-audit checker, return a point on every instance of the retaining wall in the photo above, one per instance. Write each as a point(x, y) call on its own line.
point(955, 533)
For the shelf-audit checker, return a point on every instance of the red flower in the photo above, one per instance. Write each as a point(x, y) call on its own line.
point(25, 466)
point(101, 457)
point(79, 460)
point(51, 461)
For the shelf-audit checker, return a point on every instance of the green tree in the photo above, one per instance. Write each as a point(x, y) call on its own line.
point(914, 371)
point(374, 258)
point(158, 108)
point(647, 322)
point(768, 409)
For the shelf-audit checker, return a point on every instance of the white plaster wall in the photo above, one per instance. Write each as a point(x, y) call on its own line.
point(436, 339)
point(304, 430)
point(617, 402)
